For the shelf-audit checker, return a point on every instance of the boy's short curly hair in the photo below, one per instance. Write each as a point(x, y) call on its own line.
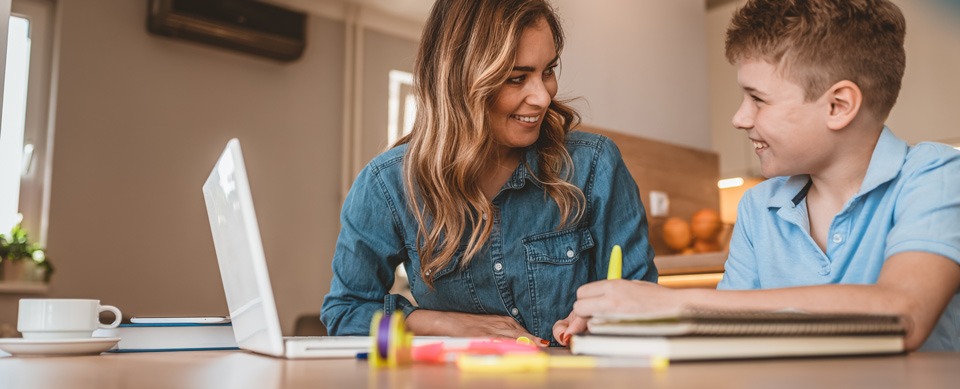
point(817, 43)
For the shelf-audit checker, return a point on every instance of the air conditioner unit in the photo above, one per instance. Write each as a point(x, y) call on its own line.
point(245, 25)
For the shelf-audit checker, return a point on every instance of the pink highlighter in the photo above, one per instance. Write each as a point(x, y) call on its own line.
point(442, 353)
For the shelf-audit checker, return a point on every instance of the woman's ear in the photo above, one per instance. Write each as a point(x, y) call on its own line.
point(845, 99)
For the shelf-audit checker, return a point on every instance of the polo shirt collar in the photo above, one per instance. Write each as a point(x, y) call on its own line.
point(885, 163)
point(791, 192)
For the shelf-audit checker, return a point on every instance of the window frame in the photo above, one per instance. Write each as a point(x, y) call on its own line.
point(34, 199)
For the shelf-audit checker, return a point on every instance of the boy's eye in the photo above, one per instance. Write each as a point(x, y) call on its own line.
point(757, 99)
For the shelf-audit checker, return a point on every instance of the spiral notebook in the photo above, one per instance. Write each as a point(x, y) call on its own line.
point(700, 334)
point(713, 322)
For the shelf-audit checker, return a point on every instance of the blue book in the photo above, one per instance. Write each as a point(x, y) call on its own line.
point(170, 337)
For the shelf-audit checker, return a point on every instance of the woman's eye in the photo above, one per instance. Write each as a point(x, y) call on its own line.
point(516, 80)
point(550, 71)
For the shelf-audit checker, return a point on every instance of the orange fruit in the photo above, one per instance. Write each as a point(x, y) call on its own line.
point(706, 225)
point(677, 234)
point(705, 247)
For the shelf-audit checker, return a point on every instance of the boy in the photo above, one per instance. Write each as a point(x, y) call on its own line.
point(855, 220)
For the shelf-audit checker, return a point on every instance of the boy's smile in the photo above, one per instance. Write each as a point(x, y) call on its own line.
point(789, 134)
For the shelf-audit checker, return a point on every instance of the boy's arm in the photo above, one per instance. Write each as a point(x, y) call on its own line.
point(917, 285)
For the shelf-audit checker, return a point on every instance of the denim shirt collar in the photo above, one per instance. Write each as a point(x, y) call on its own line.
point(522, 174)
point(885, 163)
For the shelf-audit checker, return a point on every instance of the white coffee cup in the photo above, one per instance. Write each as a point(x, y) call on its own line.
point(62, 318)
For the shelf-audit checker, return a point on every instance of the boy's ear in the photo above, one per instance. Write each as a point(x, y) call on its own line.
point(845, 99)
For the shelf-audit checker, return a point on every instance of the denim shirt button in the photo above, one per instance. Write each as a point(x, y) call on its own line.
point(484, 216)
point(570, 253)
point(498, 266)
point(514, 311)
point(428, 272)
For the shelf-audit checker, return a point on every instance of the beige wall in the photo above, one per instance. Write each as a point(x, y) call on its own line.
point(736, 153)
point(640, 66)
point(140, 122)
point(382, 53)
point(926, 109)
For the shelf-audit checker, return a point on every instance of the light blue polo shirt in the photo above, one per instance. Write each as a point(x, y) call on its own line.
point(909, 201)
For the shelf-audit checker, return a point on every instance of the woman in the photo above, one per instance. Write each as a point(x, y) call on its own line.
point(497, 211)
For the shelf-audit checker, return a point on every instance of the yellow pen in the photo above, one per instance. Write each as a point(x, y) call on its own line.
point(614, 272)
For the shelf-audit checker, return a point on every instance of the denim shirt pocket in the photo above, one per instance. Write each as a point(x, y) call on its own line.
point(556, 267)
point(558, 247)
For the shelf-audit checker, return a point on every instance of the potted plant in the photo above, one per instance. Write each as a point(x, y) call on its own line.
point(21, 260)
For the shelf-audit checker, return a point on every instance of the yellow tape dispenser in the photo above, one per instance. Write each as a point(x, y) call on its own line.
point(391, 345)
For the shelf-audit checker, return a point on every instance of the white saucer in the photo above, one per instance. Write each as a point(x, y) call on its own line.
point(20, 347)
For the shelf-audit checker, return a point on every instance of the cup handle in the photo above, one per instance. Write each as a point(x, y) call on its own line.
point(116, 314)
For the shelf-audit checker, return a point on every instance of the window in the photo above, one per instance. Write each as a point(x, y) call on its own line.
point(25, 131)
point(14, 157)
point(402, 107)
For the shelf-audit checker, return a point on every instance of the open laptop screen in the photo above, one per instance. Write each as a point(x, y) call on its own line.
point(243, 267)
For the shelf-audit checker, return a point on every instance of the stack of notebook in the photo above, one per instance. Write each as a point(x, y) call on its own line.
point(171, 335)
point(698, 334)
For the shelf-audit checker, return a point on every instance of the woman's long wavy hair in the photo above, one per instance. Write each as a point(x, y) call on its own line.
point(466, 54)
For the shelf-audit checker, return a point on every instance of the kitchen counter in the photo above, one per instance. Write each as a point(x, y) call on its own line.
point(691, 271)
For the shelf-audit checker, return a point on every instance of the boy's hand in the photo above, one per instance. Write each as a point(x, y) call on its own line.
point(624, 296)
point(563, 329)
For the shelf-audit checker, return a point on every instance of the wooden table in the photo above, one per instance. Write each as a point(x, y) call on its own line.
point(239, 369)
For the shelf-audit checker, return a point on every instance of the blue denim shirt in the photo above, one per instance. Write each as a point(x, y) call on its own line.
point(909, 201)
point(528, 269)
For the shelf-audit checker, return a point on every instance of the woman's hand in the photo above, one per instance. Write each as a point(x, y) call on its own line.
point(625, 296)
point(438, 323)
point(614, 296)
point(573, 324)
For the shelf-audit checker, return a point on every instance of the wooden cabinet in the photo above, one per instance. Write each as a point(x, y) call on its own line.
point(691, 271)
point(687, 176)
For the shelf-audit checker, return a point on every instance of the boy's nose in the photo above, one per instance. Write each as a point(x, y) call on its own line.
point(743, 118)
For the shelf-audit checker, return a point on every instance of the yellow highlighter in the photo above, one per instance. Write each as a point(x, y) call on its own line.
point(614, 272)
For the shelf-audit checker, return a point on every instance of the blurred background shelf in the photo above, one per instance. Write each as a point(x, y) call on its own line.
point(22, 287)
point(690, 271)
point(690, 263)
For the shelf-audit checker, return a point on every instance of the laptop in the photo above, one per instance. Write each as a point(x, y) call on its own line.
point(243, 268)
